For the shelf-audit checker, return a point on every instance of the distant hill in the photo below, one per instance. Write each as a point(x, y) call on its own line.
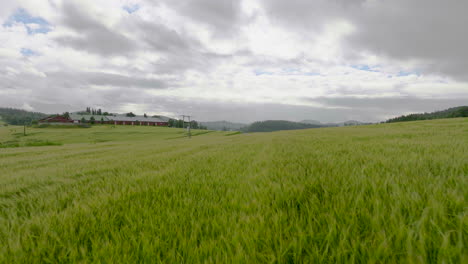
point(311, 122)
point(223, 125)
point(276, 125)
point(346, 123)
point(19, 117)
point(460, 111)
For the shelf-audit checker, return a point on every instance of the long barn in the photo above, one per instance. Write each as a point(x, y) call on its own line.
point(75, 118)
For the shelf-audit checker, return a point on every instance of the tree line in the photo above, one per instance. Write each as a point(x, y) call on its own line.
point(92, 111)
point(461, 111)
point(276, 125)
point(179, 123)
point(19, 117)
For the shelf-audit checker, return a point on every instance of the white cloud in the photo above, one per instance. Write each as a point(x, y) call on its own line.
point(247, 53)
point(27, 107)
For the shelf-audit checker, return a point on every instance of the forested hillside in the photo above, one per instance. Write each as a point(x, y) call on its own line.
point(223, 125)
point(276, 125)
point(461, 111)
point(19, 117)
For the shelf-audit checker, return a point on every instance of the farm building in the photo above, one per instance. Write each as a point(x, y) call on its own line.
point(109, 119)
point(56, 119)
point(98, 119)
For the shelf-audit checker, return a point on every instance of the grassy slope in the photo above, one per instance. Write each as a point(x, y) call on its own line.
point(387, 193)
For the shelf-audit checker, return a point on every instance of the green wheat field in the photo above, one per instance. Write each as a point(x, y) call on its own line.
point(386, 193)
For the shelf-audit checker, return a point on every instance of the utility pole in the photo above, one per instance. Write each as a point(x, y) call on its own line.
point(24, 127)
point(189, 125)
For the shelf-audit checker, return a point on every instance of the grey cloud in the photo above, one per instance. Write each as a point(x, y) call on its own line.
point(72, 89)
point(110, 79)
point(222, 16)
point(162, 38)
point(93, 36)
point(179, 51)
point(177, 63)
point(360, 109)
point(308, 14)
point(431, 31)
point(391, 104)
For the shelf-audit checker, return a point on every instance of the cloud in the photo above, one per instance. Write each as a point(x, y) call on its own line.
point(430, 32)
point(27, 107)
point(235, 60)
point(34, 25)
point(91, 34)
point(221, 16)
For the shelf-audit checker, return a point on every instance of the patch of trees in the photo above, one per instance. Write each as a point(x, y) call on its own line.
point(179, 123)
point(276, 125)
point(19, 117)
point(461, 111)
point(92, 111)
point(131, 114)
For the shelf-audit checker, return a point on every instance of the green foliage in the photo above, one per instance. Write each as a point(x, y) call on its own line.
point(180, 124)
point(66, 126)
point(92, 120)
point(91, 111)
point(171, 122)
point(194, 124)
point(176, 123)
point(19, 117)
point(387, 193)
point(276, 125)
point(130, 114)
point(461, 111)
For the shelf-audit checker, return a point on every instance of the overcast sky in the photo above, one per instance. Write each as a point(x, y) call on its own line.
point(237, 60)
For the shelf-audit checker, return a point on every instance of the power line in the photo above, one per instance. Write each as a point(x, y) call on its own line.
point(189, 124)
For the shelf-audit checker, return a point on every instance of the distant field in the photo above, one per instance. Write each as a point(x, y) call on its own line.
point(379, 193)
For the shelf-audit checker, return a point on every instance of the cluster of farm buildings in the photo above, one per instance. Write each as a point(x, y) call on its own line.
point(113, 119)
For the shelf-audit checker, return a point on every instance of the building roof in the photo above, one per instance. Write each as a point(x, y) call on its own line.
point(125, 118)
point(75, 116)
point(136, 118)
point(54, 117)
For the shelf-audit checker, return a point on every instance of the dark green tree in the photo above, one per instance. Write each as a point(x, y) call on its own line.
point(91, 120)
point(171, 122)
